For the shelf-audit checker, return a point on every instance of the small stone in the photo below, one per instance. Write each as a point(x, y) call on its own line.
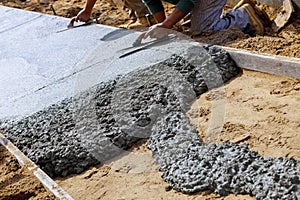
point(168, 188)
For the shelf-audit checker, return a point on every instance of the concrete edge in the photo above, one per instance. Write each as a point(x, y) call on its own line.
point(24, 161)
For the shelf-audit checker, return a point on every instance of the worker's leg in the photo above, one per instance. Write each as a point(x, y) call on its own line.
point(248, 18)
point(207, 15)
point(138, 6)
point(204, 14)
point(132, 15)
point(234, 18)
point(140, 11)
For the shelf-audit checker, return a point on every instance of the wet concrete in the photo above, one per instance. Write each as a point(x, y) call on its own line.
point(46, 66)
point(101, 111)
point(37, 56)
point(82, 107)
point(109, 118)
point(190, 166)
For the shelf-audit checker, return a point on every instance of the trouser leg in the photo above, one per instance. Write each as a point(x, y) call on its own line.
point(207, 15)
point(132, 15)
point(233, 18)
point(138, 6)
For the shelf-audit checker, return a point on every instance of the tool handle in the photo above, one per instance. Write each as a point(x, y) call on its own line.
point(132, 52)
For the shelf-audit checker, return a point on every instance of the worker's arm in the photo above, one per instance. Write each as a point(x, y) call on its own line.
point(183, 7)
point(172, 19)
point(159, 16)
point(163, 28)
point(85, 14)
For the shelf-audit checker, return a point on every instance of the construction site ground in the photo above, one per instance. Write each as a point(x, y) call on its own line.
point(262, 110)
point(17, 182)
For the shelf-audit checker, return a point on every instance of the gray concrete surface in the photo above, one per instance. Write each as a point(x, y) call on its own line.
point(36, 57)
point(46, 66)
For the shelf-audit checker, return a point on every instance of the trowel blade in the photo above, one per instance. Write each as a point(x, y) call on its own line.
point(71, 26)
point(116, 34)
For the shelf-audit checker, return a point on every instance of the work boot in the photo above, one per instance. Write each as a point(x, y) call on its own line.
point(256, 22)
point(261, 13)
point(141, 22)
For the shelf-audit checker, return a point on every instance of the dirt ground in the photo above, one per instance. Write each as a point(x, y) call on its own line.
point(134, 175)
point(17, 183)
point(268, 117)
point(258, 109)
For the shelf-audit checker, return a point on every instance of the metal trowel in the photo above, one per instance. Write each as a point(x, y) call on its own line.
point(71, 26)
point(139, 46)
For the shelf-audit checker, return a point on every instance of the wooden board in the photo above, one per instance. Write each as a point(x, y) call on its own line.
point(280, 65)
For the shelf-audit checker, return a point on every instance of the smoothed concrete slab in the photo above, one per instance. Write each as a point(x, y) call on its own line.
point(40, 66)
point(11, 19)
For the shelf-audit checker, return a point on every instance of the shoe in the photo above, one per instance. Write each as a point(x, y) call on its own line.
point(141, 22)
point(256, 23)
point(127, 24)
point(262, 14)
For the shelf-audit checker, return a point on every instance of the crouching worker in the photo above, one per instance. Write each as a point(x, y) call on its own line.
point(207, 15)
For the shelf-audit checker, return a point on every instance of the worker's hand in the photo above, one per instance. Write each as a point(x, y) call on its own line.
point(155, 31)
point(82, 16)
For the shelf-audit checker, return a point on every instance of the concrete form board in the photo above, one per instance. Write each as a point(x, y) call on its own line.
point(271, 64)
point(24, 161)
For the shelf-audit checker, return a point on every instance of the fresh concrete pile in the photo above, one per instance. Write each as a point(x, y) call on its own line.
point(109, 118)
point(189, 166)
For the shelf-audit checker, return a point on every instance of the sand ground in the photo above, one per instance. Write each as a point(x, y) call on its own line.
point(258, 109)
point(17, 183)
